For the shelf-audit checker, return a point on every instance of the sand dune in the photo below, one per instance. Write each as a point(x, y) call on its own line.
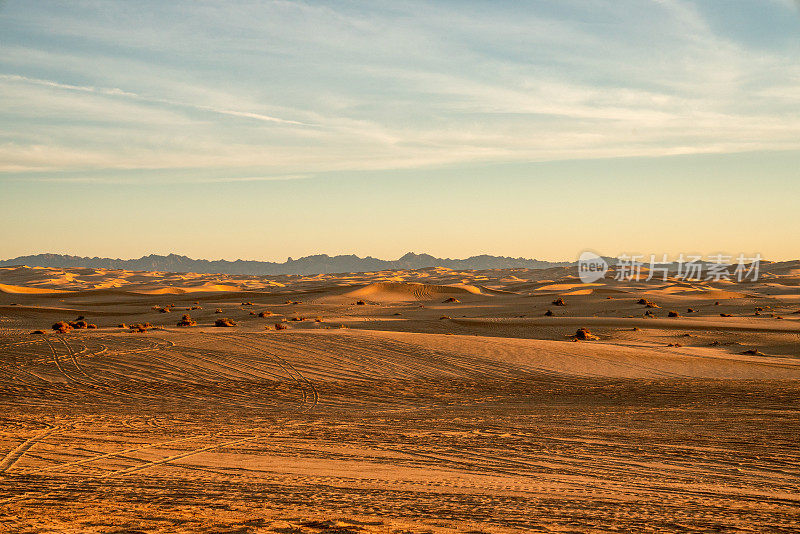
point(446, 402)
point(400, 291)
point(5, 288)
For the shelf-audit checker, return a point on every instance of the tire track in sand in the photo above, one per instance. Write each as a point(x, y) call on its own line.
point(14, 455)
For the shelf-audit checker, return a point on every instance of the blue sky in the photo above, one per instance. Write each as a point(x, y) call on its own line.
point(262, 130)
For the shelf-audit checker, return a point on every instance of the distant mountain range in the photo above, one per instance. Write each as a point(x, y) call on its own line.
point(317, 264)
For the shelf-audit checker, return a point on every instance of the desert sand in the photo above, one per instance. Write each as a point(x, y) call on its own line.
point(406, 401)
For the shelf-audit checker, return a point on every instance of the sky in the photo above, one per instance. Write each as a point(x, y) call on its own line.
point(261, 130)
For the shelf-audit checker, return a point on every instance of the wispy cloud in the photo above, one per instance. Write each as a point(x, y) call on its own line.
point(295, 89)
point(162, 178)
point(115, 92)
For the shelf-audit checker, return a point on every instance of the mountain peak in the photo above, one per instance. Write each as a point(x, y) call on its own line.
point(314, 264)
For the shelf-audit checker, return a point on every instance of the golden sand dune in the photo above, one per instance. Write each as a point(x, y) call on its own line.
point(5, 288)
point(400, 291)
point(446, 401)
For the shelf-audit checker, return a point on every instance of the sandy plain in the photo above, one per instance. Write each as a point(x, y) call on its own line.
point(445, 402)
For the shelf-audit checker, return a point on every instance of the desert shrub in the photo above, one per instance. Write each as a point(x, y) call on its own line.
point(444, 317)
point(224, 321)
point(218, 310)
point(37, 332)
point(725, 315)
point(559, 302)
point(584, 334)
point(280, 326)
point(360, 303)
point(91, 326)
point(264, 314)
point(548, 313)
point(452, 299)
point(673, 314)
point(79, 324)
point(186, 320)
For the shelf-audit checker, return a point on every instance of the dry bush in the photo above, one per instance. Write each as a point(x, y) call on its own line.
point(753, 352)
point(247, 304)
point(224, 321)
point(689, 310)
point(673, 314)
point(280, 326)
point(444, 317)
point(548, 313)
point(559, 302)
point(142, 327)
point(584, 334)
point(122, 325)
point(360, 303)
point(195, 308)
point(91, 326)
point(451, 299)
point(297, 319)
point(725, 315)
point(62, 327)
point(79, 324)
point(218, 310)
point(38, 332)
point(264, 314)
point(186, 320)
